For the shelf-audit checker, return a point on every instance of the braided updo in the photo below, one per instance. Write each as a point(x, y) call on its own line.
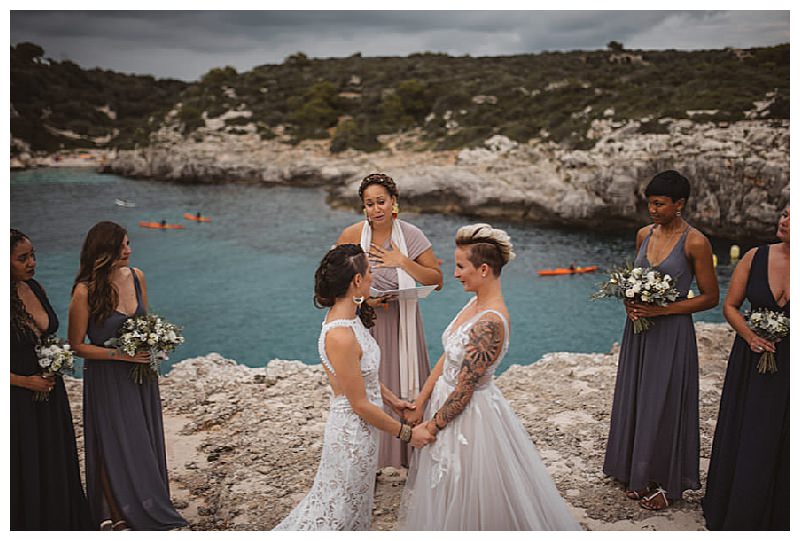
point(487, 245)
point(334, 274)
point(382, 180)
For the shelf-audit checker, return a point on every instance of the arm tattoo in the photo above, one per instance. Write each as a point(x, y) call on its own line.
point(485, 343)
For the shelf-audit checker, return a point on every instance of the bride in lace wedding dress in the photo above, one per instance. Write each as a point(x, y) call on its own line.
point(483, 472)
point(342, 494)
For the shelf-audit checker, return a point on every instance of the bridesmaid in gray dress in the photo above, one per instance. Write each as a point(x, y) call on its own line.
point(126, 467)
point(380, 232)
point(654, 439)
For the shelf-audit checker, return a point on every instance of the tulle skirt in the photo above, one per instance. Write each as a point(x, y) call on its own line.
point(482, 473)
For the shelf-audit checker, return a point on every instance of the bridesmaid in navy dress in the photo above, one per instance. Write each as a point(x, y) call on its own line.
point(748, 476)
point(46, 490)
point(126, 467)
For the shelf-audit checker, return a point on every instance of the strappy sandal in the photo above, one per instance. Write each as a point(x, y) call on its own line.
point(120, 526)
point(639, 494)
point(646, 501)
point(106, 526)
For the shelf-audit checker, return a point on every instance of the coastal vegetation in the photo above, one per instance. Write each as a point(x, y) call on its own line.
point(450, 102)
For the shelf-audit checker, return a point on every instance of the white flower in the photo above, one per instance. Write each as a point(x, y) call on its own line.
point(630, 293)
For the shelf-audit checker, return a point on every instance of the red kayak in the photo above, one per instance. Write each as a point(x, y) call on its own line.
point(194, 218)
point(157, 225)
point(560, 271)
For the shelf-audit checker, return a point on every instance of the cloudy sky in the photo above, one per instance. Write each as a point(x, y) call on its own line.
point(186, 44)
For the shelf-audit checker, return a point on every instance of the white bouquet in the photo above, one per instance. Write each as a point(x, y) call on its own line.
point(639, 284)
point(55, 359)
point(772, 326)
point(150, 333)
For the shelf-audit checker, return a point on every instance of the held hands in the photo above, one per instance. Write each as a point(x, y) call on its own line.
point(420, 436)
point(403, 408)
point(393, 258)
point(414, 417)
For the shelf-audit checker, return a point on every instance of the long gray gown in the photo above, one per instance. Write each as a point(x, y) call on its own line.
point(124, 432)
point(386, 332)
point(655, 431)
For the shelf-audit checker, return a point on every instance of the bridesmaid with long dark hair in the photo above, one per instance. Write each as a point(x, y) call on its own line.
point(46, 490)
point(126, 466)
point(748, 476)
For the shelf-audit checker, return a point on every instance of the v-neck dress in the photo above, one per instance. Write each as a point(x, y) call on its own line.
point(46, 491)
point(748, 476)
point(124, 433)
point(655, 432)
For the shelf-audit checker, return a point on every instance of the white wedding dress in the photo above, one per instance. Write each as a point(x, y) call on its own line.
point(483, 472)
point(342, 494)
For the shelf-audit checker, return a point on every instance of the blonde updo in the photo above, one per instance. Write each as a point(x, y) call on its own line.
point(487, 245)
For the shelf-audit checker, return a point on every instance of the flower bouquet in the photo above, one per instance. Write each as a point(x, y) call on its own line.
point(771, 326)
point(151, 333)
point(639, 284)
point(55, 358)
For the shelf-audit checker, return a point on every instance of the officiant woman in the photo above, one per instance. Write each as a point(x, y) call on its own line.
point(401, 256)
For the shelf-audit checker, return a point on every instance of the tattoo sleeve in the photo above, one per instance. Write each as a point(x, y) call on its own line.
point(483, 348)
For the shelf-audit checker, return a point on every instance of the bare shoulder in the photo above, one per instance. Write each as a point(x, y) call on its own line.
point(138, 272)
point(643, 232)
point(341, 338)
point(351, 234)
point(695, 239)
point(81, 291)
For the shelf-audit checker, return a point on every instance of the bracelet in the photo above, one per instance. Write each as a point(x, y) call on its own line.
point(405, 433)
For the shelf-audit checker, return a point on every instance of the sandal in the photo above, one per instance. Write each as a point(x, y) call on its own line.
point(649, 502)
point(639, 494)
point(120, 526)
point(106, 526)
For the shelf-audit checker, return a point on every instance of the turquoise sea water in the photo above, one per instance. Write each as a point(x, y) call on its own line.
point(242, 285)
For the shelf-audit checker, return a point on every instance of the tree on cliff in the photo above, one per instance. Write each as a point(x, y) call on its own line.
point(615, 46)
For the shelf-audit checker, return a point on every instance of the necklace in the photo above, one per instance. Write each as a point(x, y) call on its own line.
point(667, 240)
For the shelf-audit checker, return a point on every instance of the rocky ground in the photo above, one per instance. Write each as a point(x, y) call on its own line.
point(243, 443)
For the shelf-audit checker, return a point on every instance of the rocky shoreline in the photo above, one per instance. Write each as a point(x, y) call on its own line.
point(243, 443)
point(739, 172)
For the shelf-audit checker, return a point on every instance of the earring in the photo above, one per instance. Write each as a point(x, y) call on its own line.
point(678, 213)
point(358, 301)
point(365, 215)
point(395, 210)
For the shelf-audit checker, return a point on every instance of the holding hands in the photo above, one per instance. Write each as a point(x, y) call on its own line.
point(421, 436)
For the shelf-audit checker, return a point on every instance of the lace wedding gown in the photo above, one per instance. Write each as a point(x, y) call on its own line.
point(483, 472)
point(342, 494)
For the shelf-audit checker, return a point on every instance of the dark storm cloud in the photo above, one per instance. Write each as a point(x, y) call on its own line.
point(186, 44)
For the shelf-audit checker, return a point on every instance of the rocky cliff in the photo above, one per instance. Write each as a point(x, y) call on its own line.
point(243, 443)
point(739, 172)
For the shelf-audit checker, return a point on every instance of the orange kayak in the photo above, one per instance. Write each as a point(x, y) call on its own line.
point(193, 217)
point(560, 271)
point(157, 225)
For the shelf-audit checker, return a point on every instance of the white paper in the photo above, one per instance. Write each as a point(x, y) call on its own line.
point(411, 293)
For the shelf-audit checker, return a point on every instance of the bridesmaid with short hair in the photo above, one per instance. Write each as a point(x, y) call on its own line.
point(654, 439)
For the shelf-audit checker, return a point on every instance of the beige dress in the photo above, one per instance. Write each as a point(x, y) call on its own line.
point(386, 332)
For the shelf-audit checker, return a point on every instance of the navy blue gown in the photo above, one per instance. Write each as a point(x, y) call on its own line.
point(46, 491)
point(748, 476)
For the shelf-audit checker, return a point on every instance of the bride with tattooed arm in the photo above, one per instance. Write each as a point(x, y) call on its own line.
point(482, 472)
